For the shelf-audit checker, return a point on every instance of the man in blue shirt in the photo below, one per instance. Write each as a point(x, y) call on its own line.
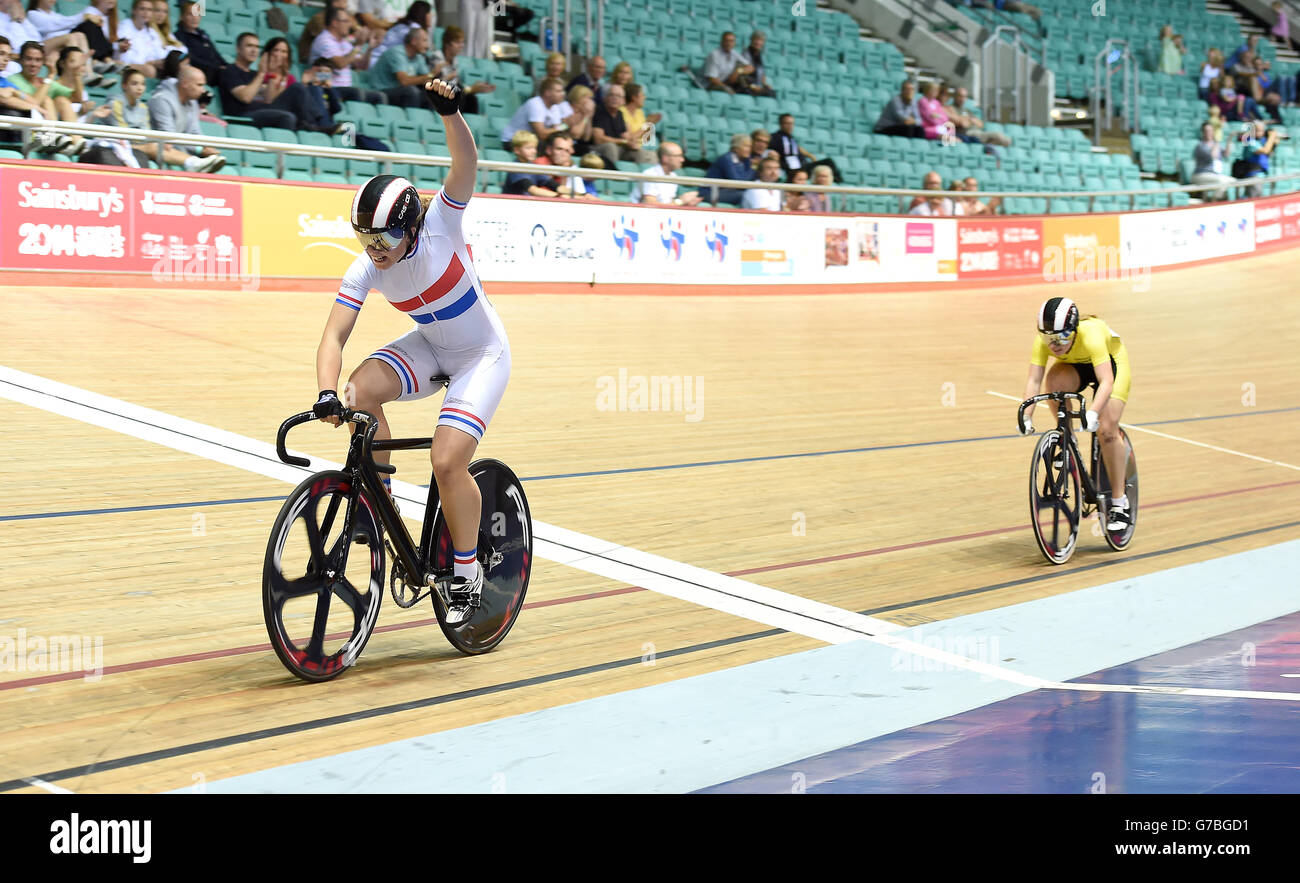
point(731, 166)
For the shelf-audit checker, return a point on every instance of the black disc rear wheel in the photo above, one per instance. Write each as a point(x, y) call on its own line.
point(505, 551)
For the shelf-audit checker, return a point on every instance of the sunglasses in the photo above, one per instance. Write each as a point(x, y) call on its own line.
point(380, 240)
point(1060, 338)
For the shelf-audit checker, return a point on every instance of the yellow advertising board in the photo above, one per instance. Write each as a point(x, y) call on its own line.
point(300, 231)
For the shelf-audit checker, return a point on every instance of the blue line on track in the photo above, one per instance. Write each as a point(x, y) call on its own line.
point(951, 441)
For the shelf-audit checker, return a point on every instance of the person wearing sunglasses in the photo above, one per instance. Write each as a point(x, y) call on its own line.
point(1087, 353)
point(415, 255)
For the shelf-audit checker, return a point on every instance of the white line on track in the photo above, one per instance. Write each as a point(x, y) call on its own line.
point(41, 783)
point(1189, 441)
point(699, 586)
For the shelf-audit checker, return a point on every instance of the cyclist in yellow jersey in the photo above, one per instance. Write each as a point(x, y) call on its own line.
point(1087, 353)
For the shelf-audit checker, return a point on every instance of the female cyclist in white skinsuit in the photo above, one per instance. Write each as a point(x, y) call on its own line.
point(416, 256)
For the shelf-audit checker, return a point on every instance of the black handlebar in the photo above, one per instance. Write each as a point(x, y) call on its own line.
point(1061, 397)
point(363, 418)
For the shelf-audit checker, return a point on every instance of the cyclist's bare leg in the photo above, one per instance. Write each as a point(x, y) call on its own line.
point(1113, 450)
point(462, 503)
point(371, 386)
point(1060, 378)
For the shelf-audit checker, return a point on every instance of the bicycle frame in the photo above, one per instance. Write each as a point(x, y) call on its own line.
point(1063, 417)
point(364, 471)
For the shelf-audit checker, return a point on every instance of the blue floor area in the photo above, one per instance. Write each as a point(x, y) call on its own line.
point(1056, 741)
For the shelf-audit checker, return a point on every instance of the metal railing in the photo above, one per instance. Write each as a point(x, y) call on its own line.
point(1131, 89)
point(991, 66)
point(713, 185)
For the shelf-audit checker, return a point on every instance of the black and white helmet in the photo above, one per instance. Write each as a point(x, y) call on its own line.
point(1058, 316)
point(385, 209)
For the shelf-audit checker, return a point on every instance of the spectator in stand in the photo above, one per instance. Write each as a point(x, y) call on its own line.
point(16, 103)
point(545, 114)
point(203, 53)
point(590, 161)
point(524, 145)
point(671, 158)
point(591, 75)
point(88, 23)
point(1234, 107)
point(1251, 45)
point(762, 198)
point(128, 110)
point(162, 24)
point(8, 65)
point(1211, 68)
point(397, 73)
point(753, 57)
point(316, 24)
point(27, 94)
point(265, 95)
point(733, 166)
point(1209, 156)
point(380, 15)
point(1281, 27)
point(1246, 76)
point(901, 115)
point(934, 206)
point(957, 202)
point(934, 119)
point(972, 206)
point(476, 22)
point(613, 140)
point(1172, 51)
point(1214, 119)
point(418, 15)
point(621, 75)
point(442, 65)
point(761, 141)
point(725, 69)
point(559, 152)
point(634, 115)
point(145, 50)
point(968, 124)
point(797, 200)
point(174, 107)
point(21, 28)
point(791, 154)
point(822, 176)
point(105, 12)
point(555, 66)
point(583, 102)
point(1256, 155)
point(344, 56)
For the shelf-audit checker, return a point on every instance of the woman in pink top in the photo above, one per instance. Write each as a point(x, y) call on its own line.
point(934, 119)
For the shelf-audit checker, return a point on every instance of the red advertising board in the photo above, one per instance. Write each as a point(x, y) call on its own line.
point(1002, 247)
point(88, 220)
point(1277, 220)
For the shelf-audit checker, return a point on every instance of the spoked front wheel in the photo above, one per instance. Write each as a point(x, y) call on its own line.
point(505, 552)
point(1054, 499)
point(1119, 539)
point(320, 609)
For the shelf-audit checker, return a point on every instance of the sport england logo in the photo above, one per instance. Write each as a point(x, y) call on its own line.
point(539, 244)
point(672, 237)
point(625, 237)
point(715, 238)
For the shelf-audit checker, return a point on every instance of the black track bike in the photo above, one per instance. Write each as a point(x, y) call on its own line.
point(1061, 494)
point(324, 572)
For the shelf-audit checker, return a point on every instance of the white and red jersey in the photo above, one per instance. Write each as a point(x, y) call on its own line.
point(457, 333)
point(435, 284)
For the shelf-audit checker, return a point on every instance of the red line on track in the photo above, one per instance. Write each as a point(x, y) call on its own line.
point(570, 599)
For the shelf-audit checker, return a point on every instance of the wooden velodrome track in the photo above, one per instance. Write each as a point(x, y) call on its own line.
point(910, 534)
